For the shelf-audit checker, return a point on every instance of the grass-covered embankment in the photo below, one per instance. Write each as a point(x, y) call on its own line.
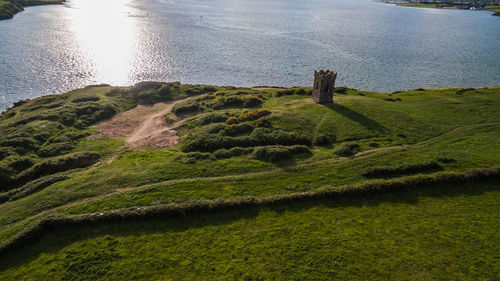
point(235, 144)
point(8, 8)
point(417, 234)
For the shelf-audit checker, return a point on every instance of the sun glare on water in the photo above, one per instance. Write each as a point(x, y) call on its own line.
point(106, 34)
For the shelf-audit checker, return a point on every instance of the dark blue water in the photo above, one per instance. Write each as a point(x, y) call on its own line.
point(372, 45)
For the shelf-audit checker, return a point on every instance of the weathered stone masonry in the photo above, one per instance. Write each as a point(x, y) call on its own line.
point(324, 84)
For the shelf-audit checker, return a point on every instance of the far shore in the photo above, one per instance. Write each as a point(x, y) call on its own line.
point(472, 6)
point(8, 8)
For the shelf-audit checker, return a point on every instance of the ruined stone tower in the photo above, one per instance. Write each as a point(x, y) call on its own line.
point(324, 84)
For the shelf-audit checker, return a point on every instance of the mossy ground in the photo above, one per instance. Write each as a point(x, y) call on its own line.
point(457, 128)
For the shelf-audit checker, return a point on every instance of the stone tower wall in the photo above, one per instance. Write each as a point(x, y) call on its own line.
point(324, 84)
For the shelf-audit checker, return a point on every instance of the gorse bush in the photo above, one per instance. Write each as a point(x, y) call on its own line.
point(408, 169)
point(248, 116)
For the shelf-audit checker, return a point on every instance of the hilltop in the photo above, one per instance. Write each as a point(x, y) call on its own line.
point(175, 181)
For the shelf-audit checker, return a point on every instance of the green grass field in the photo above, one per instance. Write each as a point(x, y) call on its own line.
point(425, 234)
point(247, 143)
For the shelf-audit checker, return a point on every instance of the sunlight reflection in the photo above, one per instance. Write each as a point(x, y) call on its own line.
point(107, 35)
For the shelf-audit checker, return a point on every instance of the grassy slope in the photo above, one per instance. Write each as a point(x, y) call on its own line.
point(423, 234)
point(453, 123)
point(9, 8)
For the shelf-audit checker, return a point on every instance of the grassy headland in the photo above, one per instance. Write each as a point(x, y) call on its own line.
point(374, 186)
point(8, 8)
point(462, 5)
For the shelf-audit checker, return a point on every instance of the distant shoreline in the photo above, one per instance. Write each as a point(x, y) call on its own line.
point(451, 5)
point(9, 8)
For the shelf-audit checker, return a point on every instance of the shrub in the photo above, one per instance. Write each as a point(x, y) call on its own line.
point(271, 153)
point(347, 149)
point(238, 129)
point(5, 152)
point(296, 149)
point(181, 109)
point(227, 101)
point(402, 170)
point(235, 151)
point(212, 118)
point(20, 143)
point(321, 140)
point(251, 101)
point(277, 153)
point(21, 163)
point(67, 118)
point(146, 97)
point(42, 137)
point(248, 116)
point(206, 142)
point(264, 122)
point(197, 155)
point(213, 128)
point(292, 91)
point(144, 86)
point(209, 89)
point(5, 177)
point(54, 149)
point(165, 92)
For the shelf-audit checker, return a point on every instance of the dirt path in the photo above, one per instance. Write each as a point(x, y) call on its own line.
point(143, 126)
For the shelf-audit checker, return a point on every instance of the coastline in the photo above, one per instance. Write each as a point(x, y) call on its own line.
point(9, 8)
point(494, 9)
